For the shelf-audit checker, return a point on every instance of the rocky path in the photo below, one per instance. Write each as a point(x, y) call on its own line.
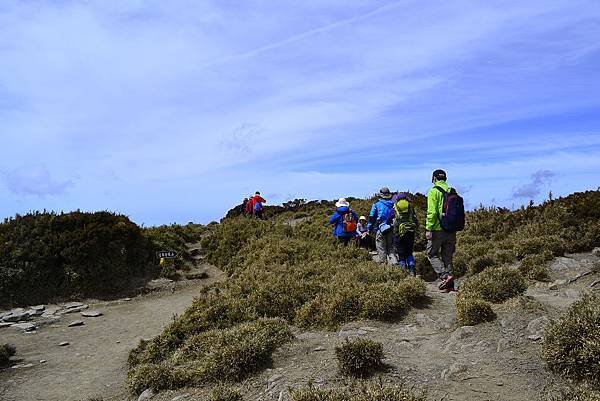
point(93, 364)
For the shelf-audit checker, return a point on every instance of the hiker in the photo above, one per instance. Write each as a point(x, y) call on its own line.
point(380, 222)
point(244, 205)
point(405, 226)
point(257, 205)
point(445, 216)
point(249, 209)
point(345, 222)
point(363, 239)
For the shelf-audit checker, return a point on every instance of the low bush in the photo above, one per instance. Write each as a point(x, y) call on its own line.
point(211, 356)
point(223, 393)
point(578, 393)
point(534, 266)
point(359, 392)
point(49, 255)
point(6, 351)
point(495, 285)
point(571, 345)
point(471, 311)
point(360, 357)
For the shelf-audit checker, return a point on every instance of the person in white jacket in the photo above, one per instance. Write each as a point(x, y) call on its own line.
point(362, 233)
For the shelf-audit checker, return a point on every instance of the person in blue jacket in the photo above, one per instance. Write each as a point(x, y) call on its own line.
point(381, 221)
point(344, 222)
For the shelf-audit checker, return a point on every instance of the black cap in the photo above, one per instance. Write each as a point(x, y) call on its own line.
point(439, 175)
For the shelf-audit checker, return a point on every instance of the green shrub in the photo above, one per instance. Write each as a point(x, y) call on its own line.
point(6, 351)
point(481, 263)
point(495, 284)
point(571, 345)
point(360, 357)
point(360, 392)
point(538, 245)
point(578, 393)
point(48, 255)
point(471, 311)
point(224, 393)
point(534, 266)
point(211, 356)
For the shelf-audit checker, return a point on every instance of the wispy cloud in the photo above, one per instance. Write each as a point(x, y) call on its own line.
point(147, 99)
point(540, 181)
point(35, 180)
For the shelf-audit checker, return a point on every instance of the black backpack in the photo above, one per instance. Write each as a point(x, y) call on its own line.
point(453, 211)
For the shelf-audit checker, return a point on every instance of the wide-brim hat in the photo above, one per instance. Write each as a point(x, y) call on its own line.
point(342, 202)
point(362, 218)
point(385, 193)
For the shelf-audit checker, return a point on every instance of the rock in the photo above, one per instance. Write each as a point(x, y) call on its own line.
point(16, 315)
point(39, 307)
point(76, 323)
point(459, 334)
point(319, 349)
point(24, 326)
point(5, 324)
point(76, 309)
point(453, 371)
point(146, 395)
point(572, 293)
point(43, 361)
point(33, 312)
point(537, 326)
point(180, 397)
point(72, 305)
point(197, 275)
point(126, 299)
point(535, 337)
point(51, 311)
point(91, 313)
point(63, 344)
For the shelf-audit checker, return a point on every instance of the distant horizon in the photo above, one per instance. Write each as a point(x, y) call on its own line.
point(174, 112)
point(469, 207)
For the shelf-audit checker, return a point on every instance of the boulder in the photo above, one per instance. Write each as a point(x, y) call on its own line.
point(63, 344)
point(76, 323)
point(537, 326)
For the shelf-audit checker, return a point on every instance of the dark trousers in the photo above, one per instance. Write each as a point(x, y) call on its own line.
point(404, 245)
point(344, 239)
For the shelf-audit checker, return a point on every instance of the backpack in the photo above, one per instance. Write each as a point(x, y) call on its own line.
point(349, 222)
point(258, 207)
point(405, 217)
point(386, 220)
point(453, 211)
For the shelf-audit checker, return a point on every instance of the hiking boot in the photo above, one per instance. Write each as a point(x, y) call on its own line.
point(449, 288)
point(447, 281)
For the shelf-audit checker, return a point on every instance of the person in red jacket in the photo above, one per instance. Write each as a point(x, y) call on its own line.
point(248, 208)
point(257, 205)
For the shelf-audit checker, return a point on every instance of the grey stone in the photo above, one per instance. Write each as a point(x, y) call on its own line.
point(39, 307)
point(76, 309)
point(51, 311)
point(63, 344)
point(5, 324)
point(126, 299)
point(146, 395)
point(91, 313)
point(72, 305)
point(16, 315)
point(23, 366)
point(24, 326)
point(537, 326)
point(535, 337)
point(572, 293)
point(180, 397)
point(453, 371)
point(43, 361)
point(459, 334)
point(34, 312)
point(76, 323)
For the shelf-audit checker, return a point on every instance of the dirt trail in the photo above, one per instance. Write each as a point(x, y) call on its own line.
point(427, 349)
point(94, 364)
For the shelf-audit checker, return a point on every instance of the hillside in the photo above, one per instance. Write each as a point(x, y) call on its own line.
point(288, 277)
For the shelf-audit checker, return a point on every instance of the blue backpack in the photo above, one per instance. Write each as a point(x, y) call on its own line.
point(386, 220)
point(453, 211)
point(258, 207)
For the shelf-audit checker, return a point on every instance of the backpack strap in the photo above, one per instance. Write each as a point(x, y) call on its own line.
point(440, 189)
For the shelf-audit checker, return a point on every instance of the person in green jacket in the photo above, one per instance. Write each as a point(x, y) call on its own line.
point(440, 244)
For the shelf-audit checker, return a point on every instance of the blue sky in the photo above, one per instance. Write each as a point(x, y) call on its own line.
point(173, 111)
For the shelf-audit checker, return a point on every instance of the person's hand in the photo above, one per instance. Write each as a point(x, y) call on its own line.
point(429, 235)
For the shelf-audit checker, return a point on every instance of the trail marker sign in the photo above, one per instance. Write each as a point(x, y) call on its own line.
point(166, 254)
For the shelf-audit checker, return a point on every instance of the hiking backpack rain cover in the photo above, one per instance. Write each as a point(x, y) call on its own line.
point(453, 211)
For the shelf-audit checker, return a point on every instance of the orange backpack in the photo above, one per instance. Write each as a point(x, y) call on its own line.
point(349, 222)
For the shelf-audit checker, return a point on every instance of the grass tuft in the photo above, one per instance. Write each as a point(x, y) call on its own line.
point(360, 357)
